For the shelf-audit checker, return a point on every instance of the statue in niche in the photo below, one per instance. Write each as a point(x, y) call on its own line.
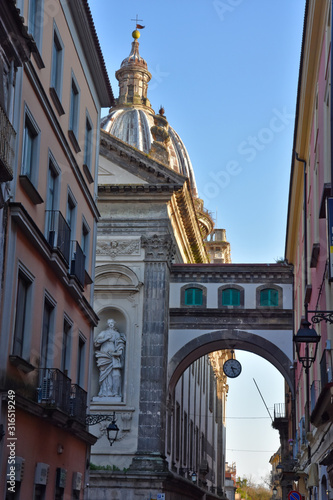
point(110, 358)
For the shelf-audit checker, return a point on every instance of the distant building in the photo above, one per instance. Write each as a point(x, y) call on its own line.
point(50, 105)
point(309, 250)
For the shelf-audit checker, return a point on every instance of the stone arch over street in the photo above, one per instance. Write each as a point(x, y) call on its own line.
point(228, 339)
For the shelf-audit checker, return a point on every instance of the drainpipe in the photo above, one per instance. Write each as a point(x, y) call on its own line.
point(305, 234)
point(331, 106)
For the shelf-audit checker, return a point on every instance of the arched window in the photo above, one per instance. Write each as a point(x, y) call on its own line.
point(193, 297)
point(269, 297)
point(230, 297)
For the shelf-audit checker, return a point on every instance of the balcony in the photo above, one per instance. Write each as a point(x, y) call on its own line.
point(59, 233)
point(78, 403)
point(77, 264)
point(7, 145)
point(322, 392)
point(54, 390)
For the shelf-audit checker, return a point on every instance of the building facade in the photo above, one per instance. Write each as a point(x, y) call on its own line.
point(50, 105)
point(150, 217)
point(308, 249)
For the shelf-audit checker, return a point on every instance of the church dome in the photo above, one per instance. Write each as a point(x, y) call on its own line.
point(132, 119)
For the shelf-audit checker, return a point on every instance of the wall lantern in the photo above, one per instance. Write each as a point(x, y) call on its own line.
point(112, 431)
point(309, 337)
point(274, 492)
point(194, 477)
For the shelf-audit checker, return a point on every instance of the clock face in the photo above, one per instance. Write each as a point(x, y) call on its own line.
point(232, 368)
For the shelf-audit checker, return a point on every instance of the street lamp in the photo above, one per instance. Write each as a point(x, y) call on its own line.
point(274, 492)
point(309, 337)
point(111, 430)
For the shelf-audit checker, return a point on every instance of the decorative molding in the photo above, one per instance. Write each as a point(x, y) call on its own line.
point(158, 248)
point(115, 248)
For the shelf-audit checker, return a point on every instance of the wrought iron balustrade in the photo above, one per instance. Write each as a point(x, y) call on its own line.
point(78, 403)
point(59, 232)
point(54, 389)
point(7, 147)
point(280, 411)
point(77, 265)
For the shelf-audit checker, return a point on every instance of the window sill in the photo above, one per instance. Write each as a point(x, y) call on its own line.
point(87, 173)
point(38, 59)
point(30, 190)
point(21, 364)
point(74, 141)
point(56, 101)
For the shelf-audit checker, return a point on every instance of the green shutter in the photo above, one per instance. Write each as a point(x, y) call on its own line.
point(193, 297)
point(269, 297)
point(230, 297)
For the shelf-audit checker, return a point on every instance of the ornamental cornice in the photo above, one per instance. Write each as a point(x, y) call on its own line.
point(190, 223)
point(232, 273)
point(158, 248)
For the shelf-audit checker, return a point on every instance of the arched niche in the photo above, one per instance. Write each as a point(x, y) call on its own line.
point(115, 277)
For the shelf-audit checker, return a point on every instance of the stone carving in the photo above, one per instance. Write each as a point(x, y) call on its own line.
point(158, 247)
point(115, 248)
point(110, 358)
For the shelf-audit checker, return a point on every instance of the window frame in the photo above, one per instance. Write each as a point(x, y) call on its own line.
point(85, 241)
point(74, 108)
point(223, 288)
point(66, 345)
point(35, 25)
point(53, 168)
point(57, 64)
point(88, 143)
point(81, 354)
point(47, 344)
point(189, 286)
point(269, 286)
point(30, 126)
point(27, 319)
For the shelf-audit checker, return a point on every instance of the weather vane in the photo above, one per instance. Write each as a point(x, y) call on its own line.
point(138, 26)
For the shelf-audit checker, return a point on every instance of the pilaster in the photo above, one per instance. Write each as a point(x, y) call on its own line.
point(152, 406)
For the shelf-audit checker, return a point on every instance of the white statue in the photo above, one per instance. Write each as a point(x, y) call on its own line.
point(110, 360)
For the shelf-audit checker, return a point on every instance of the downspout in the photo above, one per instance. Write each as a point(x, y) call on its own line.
point(305, 234)
point(331, 107)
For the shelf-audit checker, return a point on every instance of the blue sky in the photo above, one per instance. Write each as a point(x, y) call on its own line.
point(226, 72)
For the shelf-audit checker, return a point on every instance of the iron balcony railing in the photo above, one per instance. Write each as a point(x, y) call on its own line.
point(314, 393)
point(280, 411)
point(77, 265)
point(7, 147)
point(59, 233)
point(326, 367)
point(78, 403)
point(54, 389)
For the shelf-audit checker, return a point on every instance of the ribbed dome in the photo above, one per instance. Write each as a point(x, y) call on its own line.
point(132, 118)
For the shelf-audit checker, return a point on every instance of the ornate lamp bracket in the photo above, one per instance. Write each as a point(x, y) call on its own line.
point(319, 316)
point(96, 419)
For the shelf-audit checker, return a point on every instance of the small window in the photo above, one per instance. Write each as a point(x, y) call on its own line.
point(81, 360)
point(23, 304)
point(35, 21)
point(269, 297)
point(193, 297)
point(230, 297)
point(85, 241)
point(88, 144)
point(74, 108)
point(57, 62)
point(30, 148)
